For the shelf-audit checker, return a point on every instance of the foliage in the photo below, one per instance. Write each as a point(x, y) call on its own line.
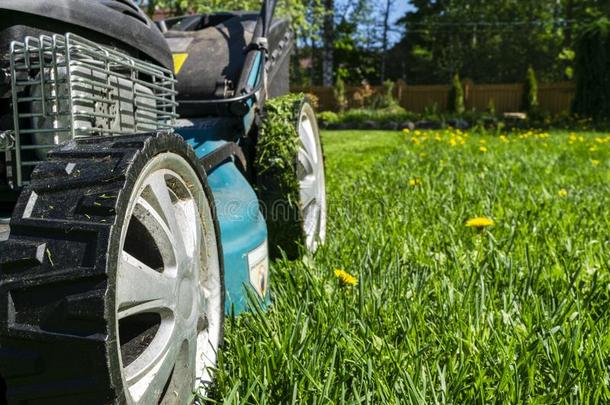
point(489, 41)
point(479, 122)
point(442, 313)
point(456, 96)
point(384, 98)
point(363, 95)
point(530, 91)
point(357, 117)
point(593, 71)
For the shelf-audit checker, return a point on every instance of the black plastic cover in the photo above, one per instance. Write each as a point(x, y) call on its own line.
point(216, 47)
point(119, 23)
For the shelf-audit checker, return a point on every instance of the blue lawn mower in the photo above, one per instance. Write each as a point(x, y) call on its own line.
point(147, 173)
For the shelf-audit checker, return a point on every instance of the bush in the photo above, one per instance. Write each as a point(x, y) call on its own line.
point(530, 92)
point(593, 71)
point(456, 96)
point(357, 118)
point(363, 95)
point(339, 93)
point(385, 98)
point(328, 117)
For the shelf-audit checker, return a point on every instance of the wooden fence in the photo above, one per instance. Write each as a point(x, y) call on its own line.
point(554, 98)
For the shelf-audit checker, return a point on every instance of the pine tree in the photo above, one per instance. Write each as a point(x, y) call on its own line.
point(456, 96)
point(593, 71)
point(530, 91)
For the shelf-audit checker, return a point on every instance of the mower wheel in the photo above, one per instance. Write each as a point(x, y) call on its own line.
point(111, 281)
point(290, 175)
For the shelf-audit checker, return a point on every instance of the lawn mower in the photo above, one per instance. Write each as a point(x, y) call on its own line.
point(147, 172)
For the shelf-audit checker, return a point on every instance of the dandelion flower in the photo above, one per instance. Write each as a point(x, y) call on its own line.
point(479, 222)
point(563, 192)
point(483, 149)
point(414, 182)
point(595, 162)
point(345, 278)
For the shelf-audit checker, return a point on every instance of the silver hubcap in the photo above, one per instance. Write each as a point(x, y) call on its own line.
point(311, 179)
point(168, 303)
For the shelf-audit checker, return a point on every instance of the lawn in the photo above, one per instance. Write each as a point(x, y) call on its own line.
point(442, 312)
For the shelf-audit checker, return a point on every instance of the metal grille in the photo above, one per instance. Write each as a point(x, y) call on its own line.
point(66, 87)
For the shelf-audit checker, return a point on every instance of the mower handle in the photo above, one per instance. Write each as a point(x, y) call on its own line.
point(258, 46)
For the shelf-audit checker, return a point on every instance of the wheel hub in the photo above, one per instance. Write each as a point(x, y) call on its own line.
point(186, 298)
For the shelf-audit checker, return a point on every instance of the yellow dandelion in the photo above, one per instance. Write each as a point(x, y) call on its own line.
point(563, 192)
point(414, 182)
point(503, 138)
point(345, 278)
point(406, 130)
point(479, 222)
point(483, 149)
point(595, 162)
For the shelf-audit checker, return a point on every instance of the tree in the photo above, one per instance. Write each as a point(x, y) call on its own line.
point(530, 91)
point(593, 71)
point(456, 95)
point(328, 36)
point(489, 41)
point(339, 93)
point(385, 38)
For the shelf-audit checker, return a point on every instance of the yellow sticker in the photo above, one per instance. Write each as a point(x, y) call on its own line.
point(179, 59)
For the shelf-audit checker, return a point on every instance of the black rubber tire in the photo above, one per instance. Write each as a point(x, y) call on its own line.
point(276, 171)
point(57, 273)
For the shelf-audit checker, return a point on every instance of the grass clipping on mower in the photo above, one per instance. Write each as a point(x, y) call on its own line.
point(276, 167)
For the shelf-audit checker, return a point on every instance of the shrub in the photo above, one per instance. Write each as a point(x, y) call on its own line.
point(357, 117)
point(491, 107)
point(339, 92)
point(363, 95)
point(530, 91)
point(385, 97)
point(456, 96)
point(328, 117)
point(313, 100)
point(593, 71)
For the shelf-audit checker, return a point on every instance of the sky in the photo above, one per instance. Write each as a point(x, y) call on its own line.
point(399, 10)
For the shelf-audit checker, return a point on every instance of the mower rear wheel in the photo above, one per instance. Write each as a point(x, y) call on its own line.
point(111, 281)
point(312, 181)
point(291, 178)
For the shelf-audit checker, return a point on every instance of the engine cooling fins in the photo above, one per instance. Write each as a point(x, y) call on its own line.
point(56, 270)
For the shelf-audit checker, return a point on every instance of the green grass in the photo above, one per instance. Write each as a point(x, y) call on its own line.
point(442, 313)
